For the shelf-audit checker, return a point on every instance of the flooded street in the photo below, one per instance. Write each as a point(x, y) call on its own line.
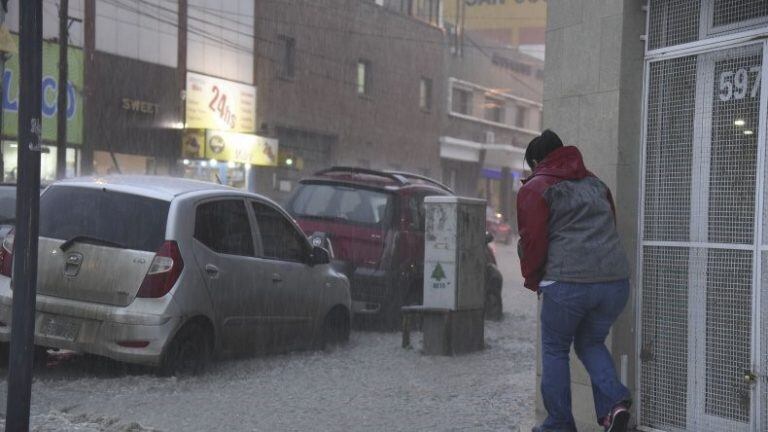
point(370, 384)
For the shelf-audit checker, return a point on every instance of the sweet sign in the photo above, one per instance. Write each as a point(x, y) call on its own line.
point(214, 103)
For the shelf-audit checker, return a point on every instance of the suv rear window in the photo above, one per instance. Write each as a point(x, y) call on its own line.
point(356, 205)
point(133, 221)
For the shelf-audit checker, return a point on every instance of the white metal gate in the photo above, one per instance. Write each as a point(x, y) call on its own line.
point(703, 346)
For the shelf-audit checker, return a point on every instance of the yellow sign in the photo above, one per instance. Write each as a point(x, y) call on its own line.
point(514, 22)
point(243, 148)
point(214, 103)
point(193, 144)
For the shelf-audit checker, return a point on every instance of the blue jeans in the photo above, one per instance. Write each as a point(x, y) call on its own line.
point(579, 314)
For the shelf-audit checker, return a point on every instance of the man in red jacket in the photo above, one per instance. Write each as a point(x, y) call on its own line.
point(571, 255)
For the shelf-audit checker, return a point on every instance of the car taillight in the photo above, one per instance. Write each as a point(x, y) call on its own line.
point(163, 273)
point(6, 255)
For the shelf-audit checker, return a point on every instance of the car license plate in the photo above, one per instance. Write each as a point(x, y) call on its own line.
point(59, 327)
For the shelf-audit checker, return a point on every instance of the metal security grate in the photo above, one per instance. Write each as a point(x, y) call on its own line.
point(726, 12)
point(728, 333)
point(735, 125)
point(764, 325)
point(673, 22)
point(664, 352)
point(669, 149)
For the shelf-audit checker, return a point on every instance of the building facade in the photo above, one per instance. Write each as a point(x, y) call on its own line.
point(255, 94)
point(492, 110)
point(349, 83)
point(666, 101)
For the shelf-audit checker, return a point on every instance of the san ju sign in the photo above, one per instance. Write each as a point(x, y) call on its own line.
point(214, 103)
point(50, 88)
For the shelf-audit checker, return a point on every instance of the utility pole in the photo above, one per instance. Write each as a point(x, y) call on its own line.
point(181, 74)
point(61, 105)
point(27, 217)
point(3, 11)
point(89, 48)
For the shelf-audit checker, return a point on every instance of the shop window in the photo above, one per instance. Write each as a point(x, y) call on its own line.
point(364, 77)
point(47, 163)
point(425, 94)
point(461, 101)
point(494, 110)
point(223, 227)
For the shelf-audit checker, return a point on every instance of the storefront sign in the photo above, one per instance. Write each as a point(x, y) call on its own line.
point(50, 88)
point(140, 106)
point(218, 104)
point(243, 148)
point(193, 144)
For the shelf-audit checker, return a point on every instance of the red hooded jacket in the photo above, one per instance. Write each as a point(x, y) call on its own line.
point(566, 221)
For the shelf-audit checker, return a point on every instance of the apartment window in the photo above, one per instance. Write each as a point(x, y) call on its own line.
point(364, 77)
point(520, 118)
point(425, 94)
point(461, 101)
point(288, 59)
point(494, 110)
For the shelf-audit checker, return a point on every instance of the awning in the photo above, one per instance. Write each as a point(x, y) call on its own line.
point(496, 155)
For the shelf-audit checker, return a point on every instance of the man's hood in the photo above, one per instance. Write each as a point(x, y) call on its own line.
point(565, 163)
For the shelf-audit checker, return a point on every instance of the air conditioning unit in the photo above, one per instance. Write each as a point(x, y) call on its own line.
point(490, 137)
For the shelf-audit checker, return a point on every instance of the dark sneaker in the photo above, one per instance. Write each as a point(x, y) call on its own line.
point(618, 420)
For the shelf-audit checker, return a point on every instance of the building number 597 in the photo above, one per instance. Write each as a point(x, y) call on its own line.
point(736, 84)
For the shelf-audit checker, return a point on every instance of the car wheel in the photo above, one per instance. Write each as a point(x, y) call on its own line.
point(336, 327)
point(188, 353)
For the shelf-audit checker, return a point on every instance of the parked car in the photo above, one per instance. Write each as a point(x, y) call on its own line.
point(168, 272)
point(373, 223)
point(498, 227)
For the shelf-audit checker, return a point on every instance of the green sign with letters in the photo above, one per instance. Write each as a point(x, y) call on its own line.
point(50, 86)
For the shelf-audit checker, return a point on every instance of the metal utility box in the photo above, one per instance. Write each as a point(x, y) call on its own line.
point(454, 253)
point(454, 275)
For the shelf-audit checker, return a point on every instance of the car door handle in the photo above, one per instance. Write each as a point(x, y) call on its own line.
point(212, 270)
point(276, 277)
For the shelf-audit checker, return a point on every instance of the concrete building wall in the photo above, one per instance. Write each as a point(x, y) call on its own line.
point(221, 38)
point(593, 99)
point(139, 30)
point(487, 71)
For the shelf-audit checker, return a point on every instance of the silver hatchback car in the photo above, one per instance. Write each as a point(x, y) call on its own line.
point(167, 272)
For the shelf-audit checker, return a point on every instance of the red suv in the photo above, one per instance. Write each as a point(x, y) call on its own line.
point(372, 223)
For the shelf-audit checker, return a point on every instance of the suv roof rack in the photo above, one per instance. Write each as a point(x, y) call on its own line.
point(400, 177)
point(354, 170)
point(422, 178)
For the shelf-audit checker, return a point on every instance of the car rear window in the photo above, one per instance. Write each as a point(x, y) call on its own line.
point(133, 221)
point(344, 203)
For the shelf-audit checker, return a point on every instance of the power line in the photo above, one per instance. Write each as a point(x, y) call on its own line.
point(211, 11)
point(442, 43)
point(342, 63)
point(205, 35)
point(248, 50)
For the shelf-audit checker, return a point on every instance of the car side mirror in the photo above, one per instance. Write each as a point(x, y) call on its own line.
point(319, 256)
point(488, 237)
